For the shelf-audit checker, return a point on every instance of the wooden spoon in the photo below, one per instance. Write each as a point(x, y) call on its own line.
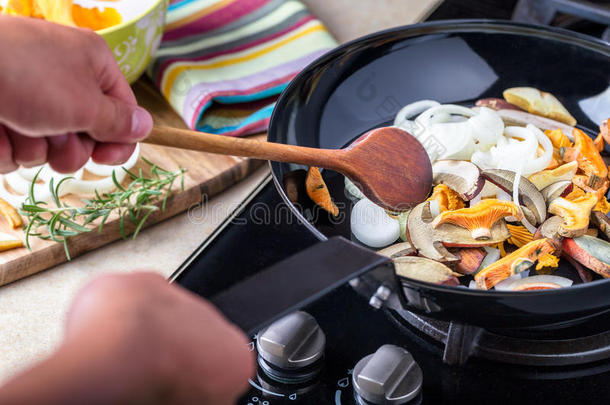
point(387, 164)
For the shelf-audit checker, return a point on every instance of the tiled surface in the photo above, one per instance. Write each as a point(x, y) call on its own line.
point(32, 310)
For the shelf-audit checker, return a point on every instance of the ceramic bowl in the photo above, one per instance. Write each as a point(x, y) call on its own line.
point(137, 38)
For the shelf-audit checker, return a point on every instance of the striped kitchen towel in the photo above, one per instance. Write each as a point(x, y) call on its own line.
point(222, 63)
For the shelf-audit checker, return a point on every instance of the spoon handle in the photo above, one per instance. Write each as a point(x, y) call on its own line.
point(226, 145)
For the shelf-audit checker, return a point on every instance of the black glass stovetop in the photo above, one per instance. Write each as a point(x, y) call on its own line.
point(263, 232)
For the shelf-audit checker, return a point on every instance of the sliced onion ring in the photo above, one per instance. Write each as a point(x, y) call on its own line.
point(411, 110)
point(106, 170)
point(540, 282)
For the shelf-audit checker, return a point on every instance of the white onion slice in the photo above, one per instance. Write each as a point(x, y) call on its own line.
point(372, 226)
point(106, 170)
point(435, 209)
point(492, 256)
point(487, 127)
point(41, 193)
point(17, 183)
point(29, 173)
point(411, 110)
point(507, 283)
point(91, 186)
point(543, 161)
point(446, 110)
point(534, 282)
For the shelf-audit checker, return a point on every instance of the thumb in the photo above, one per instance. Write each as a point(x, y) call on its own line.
point(118, 121)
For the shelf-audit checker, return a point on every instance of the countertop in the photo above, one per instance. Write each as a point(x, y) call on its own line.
point(32, 310)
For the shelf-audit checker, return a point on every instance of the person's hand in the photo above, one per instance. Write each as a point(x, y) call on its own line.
point(63, 98)
point(137, 339)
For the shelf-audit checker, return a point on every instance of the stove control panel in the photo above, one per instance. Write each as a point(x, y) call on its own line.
point(292, 370)
point(388, 376)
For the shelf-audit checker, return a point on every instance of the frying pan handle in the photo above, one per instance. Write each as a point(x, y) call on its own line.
point(298, 281)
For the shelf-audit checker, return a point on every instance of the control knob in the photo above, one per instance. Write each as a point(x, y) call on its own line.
point(388, 376)
point(291, 349)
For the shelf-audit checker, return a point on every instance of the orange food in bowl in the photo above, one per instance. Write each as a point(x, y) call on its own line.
point(64, 12)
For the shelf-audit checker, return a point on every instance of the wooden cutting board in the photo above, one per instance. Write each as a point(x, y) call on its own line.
point(207, 175)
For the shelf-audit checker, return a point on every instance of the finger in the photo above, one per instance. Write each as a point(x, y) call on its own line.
point(112, 153)
point(118, 121)
point(69, 152)
point(28, 151)
point(111, 79)
point(7, 164)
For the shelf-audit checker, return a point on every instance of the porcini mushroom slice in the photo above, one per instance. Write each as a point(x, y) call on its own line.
point(602, 222)
point(430, 242)
point(398, 250)
point(539, 102)
point(544, 178)
point(528, 193)
point(461, 176)
point(591, 252)
point(555, 190)
point(550, 229)
point(423, 269)
point(522, 118)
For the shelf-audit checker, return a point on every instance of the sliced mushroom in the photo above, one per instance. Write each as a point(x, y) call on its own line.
point(602, 222)
point(496, 104)
point(430, 242)
point(544, 178)
point(555, 190)
point(528, 193)
point(528, 214)
point(294, 185)
point(461, 176)
point(522, 118)
point(470, 260)
point(480, 218)
point(591, 252)
point(423, 269)
point(398, 250)
point(514, 263)
point(550, 229)
point(575, 214)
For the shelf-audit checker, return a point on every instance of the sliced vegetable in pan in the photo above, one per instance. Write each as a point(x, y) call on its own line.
point(318, 192)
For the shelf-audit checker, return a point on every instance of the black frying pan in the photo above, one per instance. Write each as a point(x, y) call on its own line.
point(360, 86)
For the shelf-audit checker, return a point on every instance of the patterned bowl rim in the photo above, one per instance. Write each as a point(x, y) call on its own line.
point(131, 21)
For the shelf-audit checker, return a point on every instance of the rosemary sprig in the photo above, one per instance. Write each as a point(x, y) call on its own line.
point(134, 202)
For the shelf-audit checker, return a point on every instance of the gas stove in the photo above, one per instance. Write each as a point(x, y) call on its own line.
point(341, 350)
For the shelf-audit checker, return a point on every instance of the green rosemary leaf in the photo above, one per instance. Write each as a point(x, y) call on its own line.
point(116, 182)
point(73, 225)
point(141, 223)
point(136, 202)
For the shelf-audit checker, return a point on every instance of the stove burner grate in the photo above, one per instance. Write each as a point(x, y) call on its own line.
point(460, 342)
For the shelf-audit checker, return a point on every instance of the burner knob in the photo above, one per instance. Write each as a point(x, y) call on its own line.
point(290, 349)
point(388, 376)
